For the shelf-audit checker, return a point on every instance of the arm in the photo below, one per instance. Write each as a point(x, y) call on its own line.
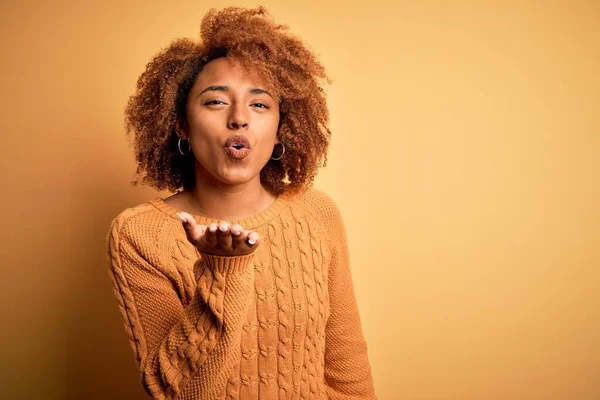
point(172, 343)
point(347, 369)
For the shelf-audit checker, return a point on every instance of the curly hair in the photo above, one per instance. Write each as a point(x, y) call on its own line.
point(251, 37)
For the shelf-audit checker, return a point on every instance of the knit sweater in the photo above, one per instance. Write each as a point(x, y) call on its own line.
point(281, 323)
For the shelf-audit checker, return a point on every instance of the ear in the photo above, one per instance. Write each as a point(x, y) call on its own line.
point(181, 128)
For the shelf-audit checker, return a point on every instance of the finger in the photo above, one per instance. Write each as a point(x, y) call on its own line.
point(238, 237)
point(193, 232)
point(210, 236)
point(224, 236)
point(252, 238)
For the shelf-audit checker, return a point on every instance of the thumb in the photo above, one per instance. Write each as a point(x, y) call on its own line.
point(193, 231)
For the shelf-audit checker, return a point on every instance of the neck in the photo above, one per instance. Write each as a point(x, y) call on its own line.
point(228, 202)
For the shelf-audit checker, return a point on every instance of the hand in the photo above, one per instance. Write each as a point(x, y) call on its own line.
point(219, 239)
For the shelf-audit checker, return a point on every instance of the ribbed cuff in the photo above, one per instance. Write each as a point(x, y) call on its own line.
point(227, 264)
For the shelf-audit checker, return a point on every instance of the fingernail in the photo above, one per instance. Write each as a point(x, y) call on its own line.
point(213, 229)
point(223, 228)
point(251, 242)
point(181, 218)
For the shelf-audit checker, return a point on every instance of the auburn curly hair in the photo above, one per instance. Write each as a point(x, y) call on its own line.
point(254, 39)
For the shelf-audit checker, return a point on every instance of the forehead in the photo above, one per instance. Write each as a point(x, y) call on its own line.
point(228, 72)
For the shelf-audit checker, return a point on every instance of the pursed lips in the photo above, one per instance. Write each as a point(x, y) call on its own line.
point(238, 142)
point(237, 147)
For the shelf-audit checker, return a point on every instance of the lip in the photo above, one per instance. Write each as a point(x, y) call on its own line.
point(237, 139)
point(237, 154)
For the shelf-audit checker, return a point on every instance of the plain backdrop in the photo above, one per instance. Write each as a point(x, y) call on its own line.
point(464, 159)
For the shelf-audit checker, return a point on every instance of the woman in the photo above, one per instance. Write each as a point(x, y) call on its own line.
point(238, 286)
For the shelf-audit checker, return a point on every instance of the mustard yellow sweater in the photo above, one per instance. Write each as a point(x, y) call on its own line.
point(281, 323)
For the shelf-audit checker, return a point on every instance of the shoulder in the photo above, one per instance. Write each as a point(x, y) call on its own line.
point(316, 202)
point(321, 207)
point(138, 227)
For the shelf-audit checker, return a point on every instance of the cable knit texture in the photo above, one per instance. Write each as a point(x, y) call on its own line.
point(281, 323)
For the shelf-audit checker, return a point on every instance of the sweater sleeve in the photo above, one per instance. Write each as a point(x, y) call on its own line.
point(347, 368)
point(173, 343)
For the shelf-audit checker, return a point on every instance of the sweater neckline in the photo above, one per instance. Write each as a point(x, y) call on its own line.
point(250, 222)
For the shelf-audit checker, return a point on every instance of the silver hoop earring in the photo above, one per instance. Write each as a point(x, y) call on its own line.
point(189, 147)
point(282, 152)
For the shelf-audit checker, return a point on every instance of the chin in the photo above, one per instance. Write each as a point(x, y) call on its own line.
point(238, 177)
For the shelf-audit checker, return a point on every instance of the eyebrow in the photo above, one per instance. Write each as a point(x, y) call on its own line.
point(226, 89)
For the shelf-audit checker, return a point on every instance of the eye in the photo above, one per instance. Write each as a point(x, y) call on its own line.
point(261, 105)
point(214, 102)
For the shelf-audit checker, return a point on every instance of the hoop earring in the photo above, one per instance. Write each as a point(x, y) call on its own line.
point(282, 152)
point(189, 147)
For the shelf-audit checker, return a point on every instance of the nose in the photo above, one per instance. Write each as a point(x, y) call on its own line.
point(238, 118)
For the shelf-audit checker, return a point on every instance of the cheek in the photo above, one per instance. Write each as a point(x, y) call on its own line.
point(203, 129)
point(269, 135)
point(201, 120)
point(269, 127)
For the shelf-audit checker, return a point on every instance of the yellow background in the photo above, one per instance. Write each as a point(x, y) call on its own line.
point(464, 161)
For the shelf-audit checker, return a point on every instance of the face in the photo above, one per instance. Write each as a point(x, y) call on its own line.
point(232, 121)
